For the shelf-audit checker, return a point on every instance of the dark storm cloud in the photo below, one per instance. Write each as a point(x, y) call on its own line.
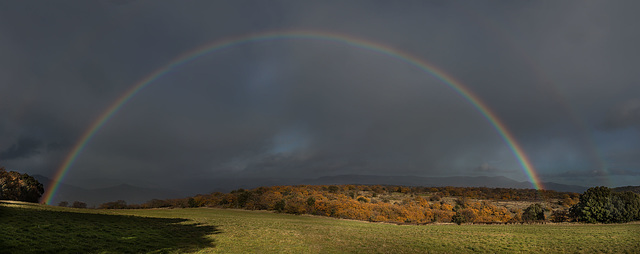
point(23, 148)
point(560, 76)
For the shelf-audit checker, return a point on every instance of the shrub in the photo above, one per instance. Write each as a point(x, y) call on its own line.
point(78, 204)
point(533, 213)
point(363, 199)
point(156, 203)
point(120, 204)
point(560, 216)
point(464, 216)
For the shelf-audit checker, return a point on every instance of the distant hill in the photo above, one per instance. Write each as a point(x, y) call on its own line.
point(93, 197)
point(455, 181)
point(635, 189)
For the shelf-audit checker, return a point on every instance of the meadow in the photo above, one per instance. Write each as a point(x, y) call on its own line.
point(34, 228)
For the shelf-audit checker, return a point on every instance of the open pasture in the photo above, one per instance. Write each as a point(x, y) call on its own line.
point(36, 228)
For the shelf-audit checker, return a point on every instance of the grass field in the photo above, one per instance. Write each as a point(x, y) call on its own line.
point(35, 228)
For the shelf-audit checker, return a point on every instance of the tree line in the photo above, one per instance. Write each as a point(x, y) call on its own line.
point(420, 205)
point(601, 204)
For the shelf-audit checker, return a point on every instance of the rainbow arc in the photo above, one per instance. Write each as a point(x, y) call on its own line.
point(219, 45)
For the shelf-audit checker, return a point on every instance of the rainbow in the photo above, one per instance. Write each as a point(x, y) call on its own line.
point(588, 142)
point(188, 56)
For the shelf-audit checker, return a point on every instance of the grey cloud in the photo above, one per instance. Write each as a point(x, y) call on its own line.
point(624, 115)
point(23, 148)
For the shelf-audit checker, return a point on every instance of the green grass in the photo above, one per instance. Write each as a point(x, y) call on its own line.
point(38, 228)
point(32, 228)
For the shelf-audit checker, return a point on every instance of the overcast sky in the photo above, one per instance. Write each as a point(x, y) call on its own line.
point(561, 75)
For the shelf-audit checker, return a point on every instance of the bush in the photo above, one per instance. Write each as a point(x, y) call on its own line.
point(363, 199)
point(157, 203)
point(560, 216)
point(464, 216)
point(78, 204)
point(533, 213)
point(120, 204)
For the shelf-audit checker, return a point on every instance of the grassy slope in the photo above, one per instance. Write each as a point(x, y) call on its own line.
point(37, 228)
point(44, 228)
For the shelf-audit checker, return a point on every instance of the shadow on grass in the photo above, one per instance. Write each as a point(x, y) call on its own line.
point(32, 230)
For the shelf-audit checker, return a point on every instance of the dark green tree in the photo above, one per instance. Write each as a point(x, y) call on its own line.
point(20, 187)
point(533, 213)
point(625, 207)
point(594, 206)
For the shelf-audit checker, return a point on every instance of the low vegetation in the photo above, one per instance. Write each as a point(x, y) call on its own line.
point(421, 205)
